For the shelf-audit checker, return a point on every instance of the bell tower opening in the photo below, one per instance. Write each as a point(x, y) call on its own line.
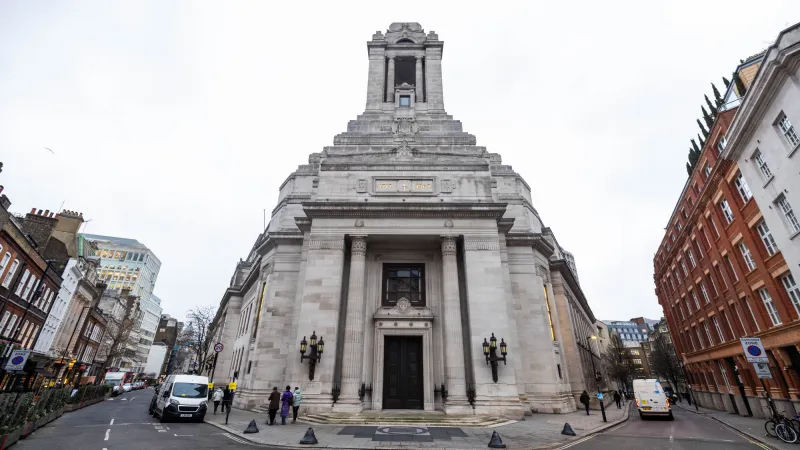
point(405, 71)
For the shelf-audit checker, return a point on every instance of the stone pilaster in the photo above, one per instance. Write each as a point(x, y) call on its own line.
point(354, 330)
point(418, 87)
point(390, 81)
point(454, 368)
point(377, 73)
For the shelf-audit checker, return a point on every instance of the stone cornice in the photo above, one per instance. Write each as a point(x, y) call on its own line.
point(404, 209)
point(421, 166)
point(481, 243)
point(535, 240)
point(505, 224)
point(276, 238)
point(562, 267)
point(303, 223)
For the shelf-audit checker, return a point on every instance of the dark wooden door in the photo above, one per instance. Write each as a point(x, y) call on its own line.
point(402, 373)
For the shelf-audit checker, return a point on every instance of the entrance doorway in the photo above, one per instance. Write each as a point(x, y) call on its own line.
point(402, 373)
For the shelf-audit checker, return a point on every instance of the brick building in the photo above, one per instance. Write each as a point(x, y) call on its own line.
point(717, 276)
point(28, 283)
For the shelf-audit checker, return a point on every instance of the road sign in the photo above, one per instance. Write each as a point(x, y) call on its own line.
point(754, 350)
point(17, 360)
point(762, 370)
point(232, 386)
point(218, 347)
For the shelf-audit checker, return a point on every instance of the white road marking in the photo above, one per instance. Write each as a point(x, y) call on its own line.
point(162, 431)
point(108, 431)
point(183, 435)
point(112, 422)
point(575, 443)
point(131, 399)
point(670, 439)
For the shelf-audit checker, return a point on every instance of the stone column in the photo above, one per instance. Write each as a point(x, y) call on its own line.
point(454, 369)
point(418, 92)
point(390, 81)
point(352, 363)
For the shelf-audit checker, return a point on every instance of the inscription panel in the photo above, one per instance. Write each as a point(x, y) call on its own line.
point(404, 186)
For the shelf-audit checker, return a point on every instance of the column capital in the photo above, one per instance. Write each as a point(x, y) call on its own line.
point(448, 245)
point(419, 58)
point(391, 58)
point(358, 246)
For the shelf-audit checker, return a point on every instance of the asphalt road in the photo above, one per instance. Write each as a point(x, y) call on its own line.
point(687, 432)
point(123, 423)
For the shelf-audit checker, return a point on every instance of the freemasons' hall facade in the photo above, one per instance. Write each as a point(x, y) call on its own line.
point(401, 248)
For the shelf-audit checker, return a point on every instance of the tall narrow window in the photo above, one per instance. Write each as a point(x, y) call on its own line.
point(743, 188)
point(713, 285)
point(766, 174)
point(708, 334)
point(733, 270)
point(683, 267)
point(4, 261)
point(22, 281)
point(766, 238)
point(739, 317)
point(752, 314)
point(699, 338)
point(690, 257)
point(728, 323)
point(708, 241)
point(793, 291)
point(549, 315)
point(771, 310)
point(691, 339)
point(404, 281)
point(788, 131)
point(714, 224)
point(696, 300)
point(721, 145)
point(704, 292)
point(748, 258)
point(726, 210)
point(788, 214)
point(707, 170)
point(718, 268)
point(697, 247)
point(720, 334)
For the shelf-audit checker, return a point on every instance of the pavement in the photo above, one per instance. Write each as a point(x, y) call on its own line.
point(537, 431)
point(123, 423)
point(688, 431)
point(752, 427)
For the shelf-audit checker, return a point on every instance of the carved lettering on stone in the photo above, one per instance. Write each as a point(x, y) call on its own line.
point(361, 186)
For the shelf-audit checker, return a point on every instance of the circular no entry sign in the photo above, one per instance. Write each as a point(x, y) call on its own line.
point(753, 350)
point(218, 347)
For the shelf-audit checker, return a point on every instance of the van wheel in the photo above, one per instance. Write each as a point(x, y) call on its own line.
point(641, 416)
point(163, 419)
point(671, 417)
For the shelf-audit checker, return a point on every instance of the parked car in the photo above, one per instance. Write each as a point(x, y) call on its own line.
point(127, 387)
point(182, 397)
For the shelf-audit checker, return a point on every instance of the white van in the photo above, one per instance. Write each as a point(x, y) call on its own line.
point(114, 379)
point(182, 397)
point(651, 400)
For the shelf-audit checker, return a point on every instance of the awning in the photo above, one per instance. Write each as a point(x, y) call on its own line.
point(45, 373)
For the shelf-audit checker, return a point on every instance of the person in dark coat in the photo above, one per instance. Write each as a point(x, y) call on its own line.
point(618, 399)
point(227, 399)
point(585, 401)
point(286, 401)
point(274, 404)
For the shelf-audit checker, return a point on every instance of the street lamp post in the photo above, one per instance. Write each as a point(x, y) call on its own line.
point(596, 378)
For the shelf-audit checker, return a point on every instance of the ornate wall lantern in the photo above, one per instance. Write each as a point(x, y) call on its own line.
point(315, 354)
point(490, 352)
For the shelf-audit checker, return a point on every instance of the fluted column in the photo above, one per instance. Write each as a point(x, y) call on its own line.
point(454, 371)
point(418, 87)
point(390, 81)
point(353, 360)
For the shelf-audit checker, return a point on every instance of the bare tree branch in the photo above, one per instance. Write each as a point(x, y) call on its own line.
point(196, 335)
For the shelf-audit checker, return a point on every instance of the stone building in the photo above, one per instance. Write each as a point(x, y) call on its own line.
point(403, 246)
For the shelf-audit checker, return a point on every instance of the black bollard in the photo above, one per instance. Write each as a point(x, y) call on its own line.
point(567, 431)
point(309, 438)
point(495, 441)
point(252, 427)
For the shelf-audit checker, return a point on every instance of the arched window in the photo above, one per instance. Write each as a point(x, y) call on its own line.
point(10, 326)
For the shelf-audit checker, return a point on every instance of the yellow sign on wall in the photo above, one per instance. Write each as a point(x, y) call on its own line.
point(232, 386)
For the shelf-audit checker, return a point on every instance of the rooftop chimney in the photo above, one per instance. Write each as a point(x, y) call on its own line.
point(39, 227)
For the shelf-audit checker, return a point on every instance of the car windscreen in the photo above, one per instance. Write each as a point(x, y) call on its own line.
point(190, 390)
point(113, 382)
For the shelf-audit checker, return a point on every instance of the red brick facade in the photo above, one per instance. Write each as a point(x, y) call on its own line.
point(718, 280)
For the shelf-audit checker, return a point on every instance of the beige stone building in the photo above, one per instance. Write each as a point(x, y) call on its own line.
point(402, 247)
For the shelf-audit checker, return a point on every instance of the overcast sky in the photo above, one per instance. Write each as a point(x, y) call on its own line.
point(175, 123)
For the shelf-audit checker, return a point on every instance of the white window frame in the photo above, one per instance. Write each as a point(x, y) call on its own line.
point(4, 261)
point(685, 271)
point(704, 292)
point(727, 212)
point(10, 326)
point(749, 262)
point(752, 314)
point(763, 167)
point(789, 218)
point(770, 306)
point(743, 188)
point(696, 299)
point(766, 238)
point(714, 224)
point(787, 129)
point(4, 321)
point(26, 294)
point(719, 329)
point(727, 258)
point(690, 257)
point(721, 145)
point(792, 290)
point(700, 338)
point(708, 334)
point(707, 169)
point(710, 277)
point(10, 275)
point(22, 281)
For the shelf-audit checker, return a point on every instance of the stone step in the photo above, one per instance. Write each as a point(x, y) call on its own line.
point(440, 420)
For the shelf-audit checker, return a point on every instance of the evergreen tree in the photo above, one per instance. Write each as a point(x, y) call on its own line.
point(727, 82)
point(718, 100)
point(707, 118)
point(702, 129)
point(689, 169)
point(695, 146)
point(711, 108)
point(694, 156)
point(701, 141)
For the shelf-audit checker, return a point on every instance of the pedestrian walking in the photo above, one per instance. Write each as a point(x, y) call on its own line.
point(227, 399)
point(618, 399)
point(274, 404)
point(298, 398)
point(286, 401)
point(585, 401)
point(216, 398)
